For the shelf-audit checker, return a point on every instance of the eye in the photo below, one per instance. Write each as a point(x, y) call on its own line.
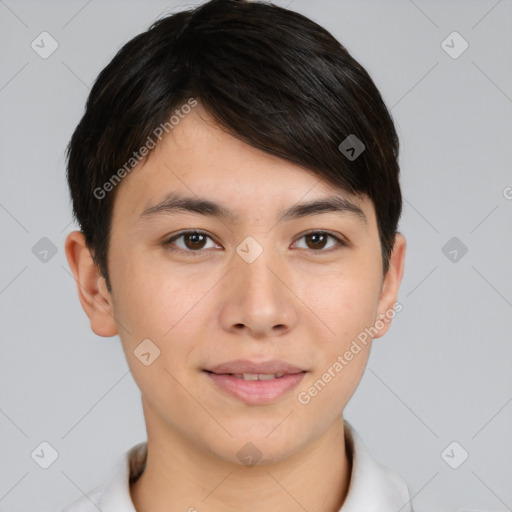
point(316, 241)
point(194, 241)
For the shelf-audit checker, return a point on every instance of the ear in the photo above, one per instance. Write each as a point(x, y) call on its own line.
point(390, 286)
point(92, 290)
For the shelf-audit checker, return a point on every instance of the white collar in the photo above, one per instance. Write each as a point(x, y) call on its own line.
point(373, 487)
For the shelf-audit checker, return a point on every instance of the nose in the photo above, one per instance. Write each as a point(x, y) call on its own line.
point(258, 298)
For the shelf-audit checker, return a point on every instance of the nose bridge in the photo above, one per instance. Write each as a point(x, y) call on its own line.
point(256, 259)
point(258, 297)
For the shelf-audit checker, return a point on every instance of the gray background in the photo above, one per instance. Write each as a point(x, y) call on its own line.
point(442, 373)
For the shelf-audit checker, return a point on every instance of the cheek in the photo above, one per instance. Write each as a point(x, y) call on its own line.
point(149, 299)
point(150, 311)
point(346, 304)
point(157, 312)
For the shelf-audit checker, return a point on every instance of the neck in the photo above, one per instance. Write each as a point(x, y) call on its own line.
point(179, 476)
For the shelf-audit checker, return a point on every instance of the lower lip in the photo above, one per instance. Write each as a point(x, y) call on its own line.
point(256, 392)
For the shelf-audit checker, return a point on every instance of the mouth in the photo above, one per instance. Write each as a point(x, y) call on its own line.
point(242, 367)
point(255, 383)
point(253, 376)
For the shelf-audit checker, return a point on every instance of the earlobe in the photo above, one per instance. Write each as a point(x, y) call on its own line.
point(94, 297)
point(388, 298)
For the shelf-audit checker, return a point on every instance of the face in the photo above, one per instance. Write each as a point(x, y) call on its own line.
point(255, 286)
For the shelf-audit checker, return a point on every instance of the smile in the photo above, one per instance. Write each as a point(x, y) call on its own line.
point(258, 376)
point(255, 388)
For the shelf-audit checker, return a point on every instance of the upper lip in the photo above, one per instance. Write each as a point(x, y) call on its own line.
point(245, 366)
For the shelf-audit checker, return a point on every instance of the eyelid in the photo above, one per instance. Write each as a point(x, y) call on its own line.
point(168, 241)
point(342, 242)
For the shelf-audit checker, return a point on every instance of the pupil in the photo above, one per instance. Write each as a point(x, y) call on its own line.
point(315, 236)
point(195, 238)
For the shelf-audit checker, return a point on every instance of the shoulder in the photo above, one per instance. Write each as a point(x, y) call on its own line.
point(114, 494)
point(373, 486)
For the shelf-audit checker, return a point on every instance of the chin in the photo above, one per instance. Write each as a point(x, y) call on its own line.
point(254, 446)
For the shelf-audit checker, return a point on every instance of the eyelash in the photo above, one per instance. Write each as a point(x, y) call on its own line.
point(168, 242)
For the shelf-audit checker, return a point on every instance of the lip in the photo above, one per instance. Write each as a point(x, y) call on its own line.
point(247, 366)
point(255, 392)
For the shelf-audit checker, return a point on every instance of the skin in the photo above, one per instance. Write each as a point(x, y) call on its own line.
point(299, 302)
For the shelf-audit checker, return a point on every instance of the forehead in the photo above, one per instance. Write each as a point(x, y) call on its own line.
point(199, 165)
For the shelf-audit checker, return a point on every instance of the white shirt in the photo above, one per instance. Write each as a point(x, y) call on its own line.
point(373, 487)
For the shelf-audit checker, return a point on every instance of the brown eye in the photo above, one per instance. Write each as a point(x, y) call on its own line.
point(194, 241)
point(317, 241)
point(191, 242)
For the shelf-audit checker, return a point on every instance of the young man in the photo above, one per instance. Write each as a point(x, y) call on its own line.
point(235, 177)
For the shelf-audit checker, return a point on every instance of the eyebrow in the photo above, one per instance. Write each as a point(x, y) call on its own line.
point(175, 203)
